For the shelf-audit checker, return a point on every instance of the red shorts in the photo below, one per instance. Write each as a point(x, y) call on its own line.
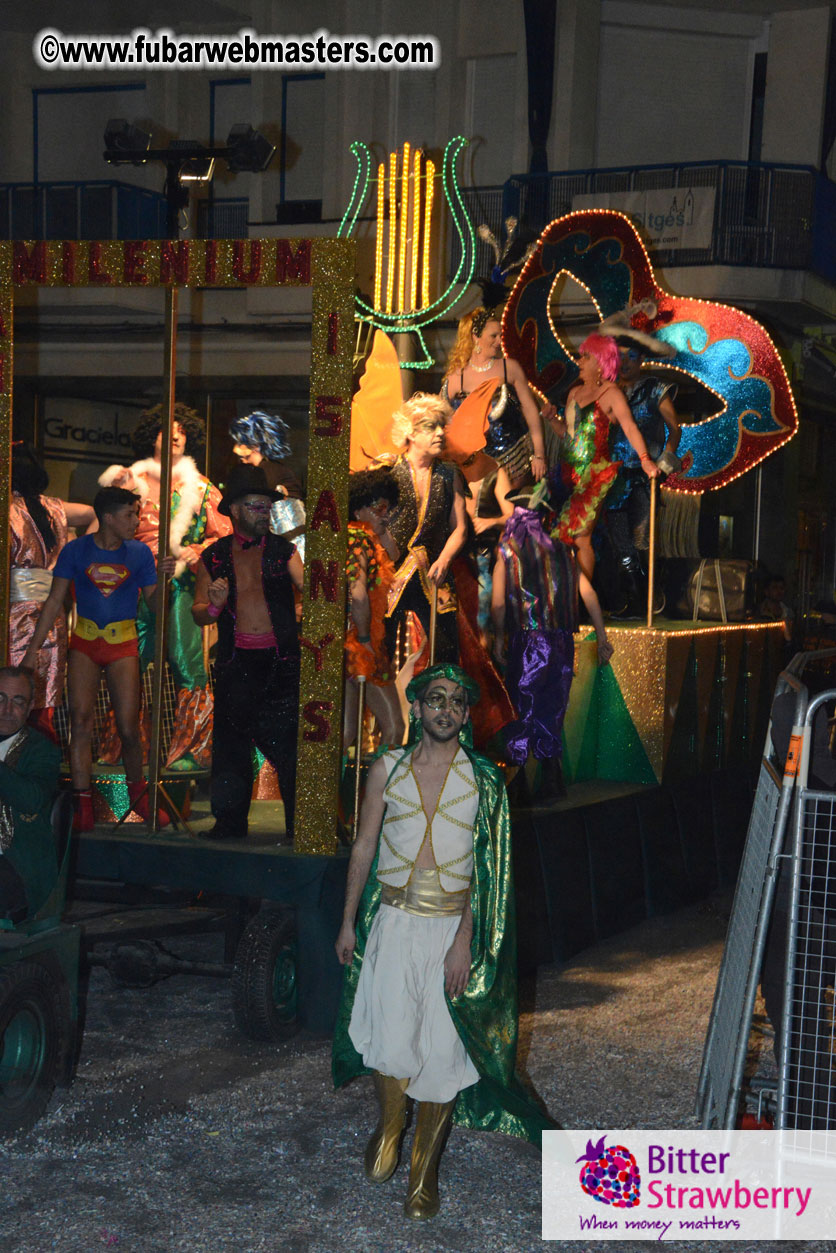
point(102, 652)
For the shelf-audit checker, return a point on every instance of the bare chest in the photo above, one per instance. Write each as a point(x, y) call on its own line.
point(430, 778)
point(247, 566)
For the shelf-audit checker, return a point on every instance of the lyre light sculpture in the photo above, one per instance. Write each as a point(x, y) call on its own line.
point(407, 221)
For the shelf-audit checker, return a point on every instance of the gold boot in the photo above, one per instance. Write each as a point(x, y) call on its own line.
point(381, 1157)
point(431, 1127)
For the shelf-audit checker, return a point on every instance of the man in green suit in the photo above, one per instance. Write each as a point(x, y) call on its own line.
point(29, 765)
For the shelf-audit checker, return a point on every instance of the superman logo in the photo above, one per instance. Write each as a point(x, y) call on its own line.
point(106, 576)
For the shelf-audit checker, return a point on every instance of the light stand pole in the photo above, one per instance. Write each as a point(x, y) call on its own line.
point(246, 150)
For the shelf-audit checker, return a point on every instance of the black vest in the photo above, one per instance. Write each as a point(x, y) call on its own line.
point(435, 530)
point(278, 593)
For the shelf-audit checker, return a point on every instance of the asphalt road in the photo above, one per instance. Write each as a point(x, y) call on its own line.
point(179, 1134)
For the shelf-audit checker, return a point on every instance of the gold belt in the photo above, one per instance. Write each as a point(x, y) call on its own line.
point(424, 895)
point(113, 633)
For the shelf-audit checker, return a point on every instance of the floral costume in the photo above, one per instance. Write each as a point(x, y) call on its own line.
point(586, 469)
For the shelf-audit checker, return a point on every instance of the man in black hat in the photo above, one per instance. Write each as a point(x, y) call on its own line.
point(245, 583)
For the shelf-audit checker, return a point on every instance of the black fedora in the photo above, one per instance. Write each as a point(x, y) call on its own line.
point(246, 480)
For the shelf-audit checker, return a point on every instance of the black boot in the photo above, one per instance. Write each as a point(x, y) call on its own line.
point(552, 786)
point(635, 587)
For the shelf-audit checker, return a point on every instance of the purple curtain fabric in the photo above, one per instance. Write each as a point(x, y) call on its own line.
point(539, 674)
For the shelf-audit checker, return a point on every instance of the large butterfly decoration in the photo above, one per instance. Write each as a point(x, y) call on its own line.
point(727, 351)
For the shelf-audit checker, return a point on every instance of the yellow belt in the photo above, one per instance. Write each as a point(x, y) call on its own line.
point(424, 895)
point(113, 633)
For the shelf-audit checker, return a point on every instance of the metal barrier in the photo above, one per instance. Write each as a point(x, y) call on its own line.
point(101, 209)
point(807, 1065)
point(724, 1054)
point(764, 215)
point(223, 218)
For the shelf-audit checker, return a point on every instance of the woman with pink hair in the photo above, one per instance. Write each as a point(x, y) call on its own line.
point(586, 468)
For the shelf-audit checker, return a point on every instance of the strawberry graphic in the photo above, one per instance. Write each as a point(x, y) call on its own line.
point(610, 1175)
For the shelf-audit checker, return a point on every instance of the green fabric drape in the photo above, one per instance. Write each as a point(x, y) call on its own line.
point(185, 641)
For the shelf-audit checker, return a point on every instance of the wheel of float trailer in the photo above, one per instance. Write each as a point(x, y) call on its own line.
point(34, 1033)
point(264, 980)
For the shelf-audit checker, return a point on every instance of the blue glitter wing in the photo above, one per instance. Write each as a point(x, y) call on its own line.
point(724, 367)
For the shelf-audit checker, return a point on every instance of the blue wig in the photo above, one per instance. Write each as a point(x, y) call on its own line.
point(265, 432)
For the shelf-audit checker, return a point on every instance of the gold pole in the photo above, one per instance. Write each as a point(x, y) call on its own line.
point(358, 747)
point(156, 790)
point(402, 229)
point(6, 313)
point(651, 553)
point(433, 621)
point(428, 213)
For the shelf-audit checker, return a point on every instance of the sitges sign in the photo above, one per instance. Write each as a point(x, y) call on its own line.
point(87, 430)
point(669, 217)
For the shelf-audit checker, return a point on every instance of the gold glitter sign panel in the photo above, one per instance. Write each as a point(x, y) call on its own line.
point(327, 266)
point(668, 703)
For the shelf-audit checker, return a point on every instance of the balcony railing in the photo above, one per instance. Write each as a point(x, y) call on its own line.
point(108, 210)
point(763, 215)
point(103, 209)
point(223, 218)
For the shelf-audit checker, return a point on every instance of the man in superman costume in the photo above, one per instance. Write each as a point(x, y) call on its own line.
point(107, 571)
point(429, 997)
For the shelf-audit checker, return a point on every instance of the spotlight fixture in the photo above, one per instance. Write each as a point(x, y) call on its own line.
point(248, 150)
point(192, 166)
point(186, 162)
point(197, 170)
point(125, 143)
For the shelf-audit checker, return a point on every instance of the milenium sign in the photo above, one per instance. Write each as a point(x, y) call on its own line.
point(326, 266)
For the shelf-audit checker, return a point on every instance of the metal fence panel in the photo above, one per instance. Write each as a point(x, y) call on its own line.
point(724, 1053)
point(807, 1069)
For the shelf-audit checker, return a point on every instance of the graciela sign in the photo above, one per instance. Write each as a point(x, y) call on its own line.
point(678, 1185)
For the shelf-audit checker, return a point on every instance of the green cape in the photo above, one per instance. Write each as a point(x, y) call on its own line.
point(486, 1015)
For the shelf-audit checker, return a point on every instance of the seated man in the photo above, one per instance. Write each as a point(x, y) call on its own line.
point(29, 765)
point(107, 570)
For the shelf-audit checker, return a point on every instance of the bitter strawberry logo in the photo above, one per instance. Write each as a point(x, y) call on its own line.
point(610, 1175)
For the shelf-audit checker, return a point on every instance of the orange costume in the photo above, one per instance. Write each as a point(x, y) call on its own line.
point(365, 552)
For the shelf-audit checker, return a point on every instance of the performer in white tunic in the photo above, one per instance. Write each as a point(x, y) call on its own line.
point(400, 1023)
point(429, 999)
point(420, 808)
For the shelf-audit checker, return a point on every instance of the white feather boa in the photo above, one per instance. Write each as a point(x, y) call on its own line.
point(187, 481)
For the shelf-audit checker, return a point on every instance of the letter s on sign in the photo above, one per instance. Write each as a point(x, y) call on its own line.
point(315, 713)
